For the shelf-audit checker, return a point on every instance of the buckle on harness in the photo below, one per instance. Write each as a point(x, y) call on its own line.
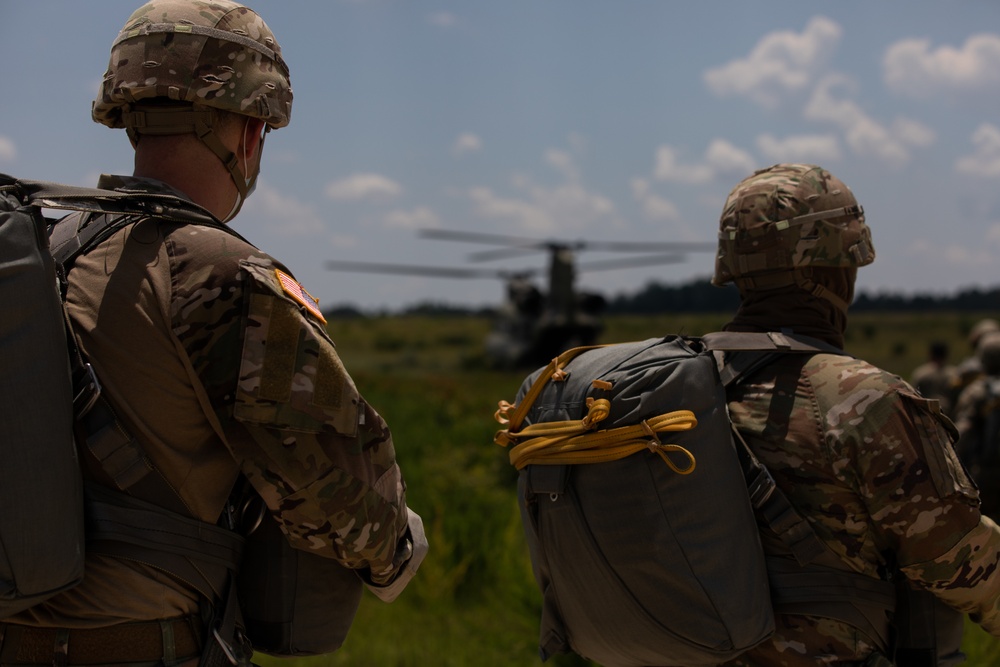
point(88, 390)
point(761, 487)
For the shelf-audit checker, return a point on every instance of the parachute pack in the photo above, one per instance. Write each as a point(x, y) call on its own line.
point(288, 602)
point(641, 503)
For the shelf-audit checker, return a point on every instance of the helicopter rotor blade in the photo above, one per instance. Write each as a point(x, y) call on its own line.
point(524, 243)
point(429, 271)
point(479, 237)
point(629, 262)
point(662, 246)
point(504, 253)
point(412, 269)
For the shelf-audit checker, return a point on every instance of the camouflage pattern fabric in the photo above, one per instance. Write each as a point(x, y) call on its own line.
point(216, 53)
point(217, 370)
point(790, 216)
point(870, 463)
point(977, 403)
point(935, 380)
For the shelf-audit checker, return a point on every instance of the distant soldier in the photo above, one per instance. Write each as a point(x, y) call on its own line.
point(977, 416)
point(936, 378)
point(971, 368)
point(866, 459)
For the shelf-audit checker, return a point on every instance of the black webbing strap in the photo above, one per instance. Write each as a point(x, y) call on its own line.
point(806, 577)
point(753, 350)
point(827, 590)
point(199, 553)
point(44, 194)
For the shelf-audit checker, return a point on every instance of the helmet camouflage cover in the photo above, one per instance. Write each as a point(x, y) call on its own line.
point(216, 53)
point(785, 218)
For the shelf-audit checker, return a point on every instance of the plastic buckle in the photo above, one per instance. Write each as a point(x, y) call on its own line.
point(761, 487)
point(88, 393)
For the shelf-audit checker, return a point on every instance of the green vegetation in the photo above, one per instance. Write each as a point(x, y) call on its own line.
point(474, 602)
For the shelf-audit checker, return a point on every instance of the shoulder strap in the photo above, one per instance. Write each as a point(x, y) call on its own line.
point(44, 194)
point(772, 506)
point(734, 367)
point(812, 580)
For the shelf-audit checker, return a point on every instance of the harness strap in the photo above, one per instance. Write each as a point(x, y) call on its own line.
point(199, 553)
point(825, 589)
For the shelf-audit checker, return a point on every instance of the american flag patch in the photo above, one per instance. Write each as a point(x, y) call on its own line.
point(293, 289)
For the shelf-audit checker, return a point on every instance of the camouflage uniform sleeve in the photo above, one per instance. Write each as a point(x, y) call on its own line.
point(319, 455)
point(919, 497)
point(967, 417)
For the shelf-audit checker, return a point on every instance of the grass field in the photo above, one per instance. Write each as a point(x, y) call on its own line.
point(474, 602)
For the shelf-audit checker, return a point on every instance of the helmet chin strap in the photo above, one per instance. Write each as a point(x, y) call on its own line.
point(245, 182)
point(164, 121)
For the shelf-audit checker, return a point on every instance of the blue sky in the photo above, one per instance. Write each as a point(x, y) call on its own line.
point(568, 119)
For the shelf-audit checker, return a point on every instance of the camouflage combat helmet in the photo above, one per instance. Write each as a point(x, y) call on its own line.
point(981, 328)
point(212, 52)
point(785, 219)
point(196, 54)
point(989, 352)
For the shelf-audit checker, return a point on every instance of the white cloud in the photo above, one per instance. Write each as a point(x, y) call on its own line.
point(295, 217)
point(654, 207)
point(564, 163)
point(954, 256)
point(721, 157)
point(985, 160)
point(544, 209)
point(443, 19)
point(807, 148)
point(912, 132)
point(526, 215)
point(668, 168)
point(363, 186)
point(781, 62)
point(466, 143)
point(863, 134)
point(8, 151)
point(911, 67)
point(417, 218)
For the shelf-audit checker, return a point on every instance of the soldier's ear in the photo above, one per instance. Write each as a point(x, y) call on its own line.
point(253, 137)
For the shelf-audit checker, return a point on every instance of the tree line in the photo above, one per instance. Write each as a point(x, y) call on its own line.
point(699, 296)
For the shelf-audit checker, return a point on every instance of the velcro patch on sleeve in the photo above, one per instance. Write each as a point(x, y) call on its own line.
point(299, 294)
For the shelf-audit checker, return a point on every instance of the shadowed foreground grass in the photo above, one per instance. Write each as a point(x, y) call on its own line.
point(474, 602)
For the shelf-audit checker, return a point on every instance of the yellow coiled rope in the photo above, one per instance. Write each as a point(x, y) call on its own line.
point(579, 441)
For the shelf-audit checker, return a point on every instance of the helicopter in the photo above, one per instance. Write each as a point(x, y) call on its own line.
point(531, 326)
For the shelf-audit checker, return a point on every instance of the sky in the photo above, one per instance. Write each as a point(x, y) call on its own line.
point(567, 120)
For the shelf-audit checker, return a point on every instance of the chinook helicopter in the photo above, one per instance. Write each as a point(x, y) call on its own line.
point(531, 327)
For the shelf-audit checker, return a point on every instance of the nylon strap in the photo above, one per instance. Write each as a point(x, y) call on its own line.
point(200, 553)
point(577, 441)
point(514, 417)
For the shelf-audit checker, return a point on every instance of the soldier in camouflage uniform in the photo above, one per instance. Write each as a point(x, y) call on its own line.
point(936, 378)
point(977, 417)
point(860, 454)
point(971, 368)
point(211, 353)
